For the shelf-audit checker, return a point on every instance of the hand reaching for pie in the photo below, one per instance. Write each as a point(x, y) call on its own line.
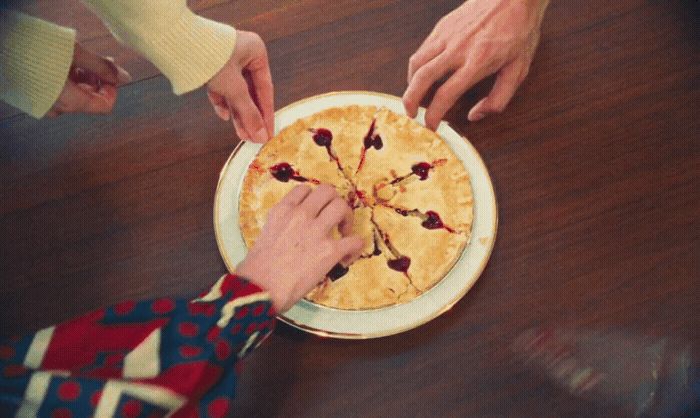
point(91, 84)
point(480, 38)
point(296, 248)
point(242, 90)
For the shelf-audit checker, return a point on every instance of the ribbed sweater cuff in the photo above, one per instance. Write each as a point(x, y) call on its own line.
point(191, 51)
point(35, 57)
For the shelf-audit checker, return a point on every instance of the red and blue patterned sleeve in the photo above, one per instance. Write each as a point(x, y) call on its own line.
point(164, 357)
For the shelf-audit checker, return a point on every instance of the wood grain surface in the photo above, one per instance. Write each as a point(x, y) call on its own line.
point(595, 165)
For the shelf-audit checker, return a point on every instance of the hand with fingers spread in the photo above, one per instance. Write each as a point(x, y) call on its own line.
point(91, 84)
point(480, 38)
point(242, 90)
point(297, 247)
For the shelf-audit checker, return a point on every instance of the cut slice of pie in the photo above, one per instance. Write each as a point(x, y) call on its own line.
point(411, 199)
point(441, 186)
point(368, 284)
point(414, 158)
point(422, 245)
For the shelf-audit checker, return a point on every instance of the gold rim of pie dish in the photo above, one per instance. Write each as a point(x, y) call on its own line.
point(323, 333)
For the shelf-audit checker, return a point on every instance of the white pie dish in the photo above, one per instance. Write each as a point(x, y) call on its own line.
point(389, 320)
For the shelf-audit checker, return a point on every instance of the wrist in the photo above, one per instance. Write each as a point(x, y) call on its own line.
point(264, 281)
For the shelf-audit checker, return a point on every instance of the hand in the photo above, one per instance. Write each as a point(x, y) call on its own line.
point(480, 38)
point(296, 250)
point(243, 89)
point(91, 84)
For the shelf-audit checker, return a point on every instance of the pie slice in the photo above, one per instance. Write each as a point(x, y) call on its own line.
point(410, 154)
point(421, 244)
point(368, 284)
point(441, 186)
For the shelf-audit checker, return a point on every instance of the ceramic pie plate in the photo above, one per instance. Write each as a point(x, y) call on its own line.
point(337, 323)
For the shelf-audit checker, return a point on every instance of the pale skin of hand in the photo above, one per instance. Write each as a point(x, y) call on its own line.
point(91, 84)
point(242, 90)
point(296, 248)
point(480, 38)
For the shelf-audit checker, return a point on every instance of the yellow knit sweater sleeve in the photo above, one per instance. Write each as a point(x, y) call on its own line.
point(35, 57)
point(188, 49)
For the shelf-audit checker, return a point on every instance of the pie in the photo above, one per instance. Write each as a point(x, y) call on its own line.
point(411, 198)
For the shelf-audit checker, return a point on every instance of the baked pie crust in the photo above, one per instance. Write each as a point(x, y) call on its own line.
point(411, 198)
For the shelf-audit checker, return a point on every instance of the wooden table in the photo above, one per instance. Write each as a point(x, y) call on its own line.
point(595, 164)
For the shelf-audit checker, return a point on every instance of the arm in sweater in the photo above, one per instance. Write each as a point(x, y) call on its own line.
point(188, 49)
point(36, 56)
point(150, 358)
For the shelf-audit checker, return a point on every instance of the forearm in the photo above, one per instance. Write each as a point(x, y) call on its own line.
point(161, 356)
point(35, 58)
point(188, 49)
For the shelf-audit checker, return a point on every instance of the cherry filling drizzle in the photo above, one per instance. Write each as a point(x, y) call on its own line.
point(371, 140)
point(400, 264)
point(357, 199)
point(361, 195)
point(406, 212)
point(422, 170)
point(337, 272)
point(284, 172)
point(323, 138)
point(431, 219)
point(352, 200)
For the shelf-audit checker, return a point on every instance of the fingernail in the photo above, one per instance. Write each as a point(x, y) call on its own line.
point(222, 112)
point(123, 76)
point(261, 135)
point(477, 116)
